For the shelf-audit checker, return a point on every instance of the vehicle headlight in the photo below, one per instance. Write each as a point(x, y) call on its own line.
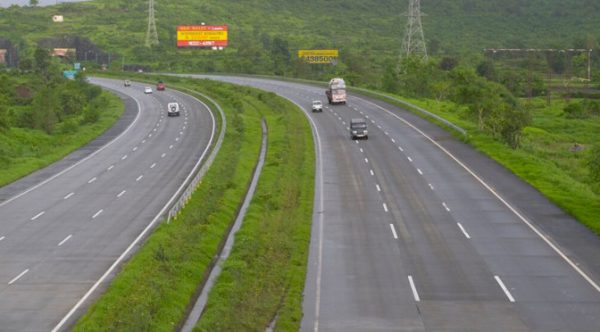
point(354, 132)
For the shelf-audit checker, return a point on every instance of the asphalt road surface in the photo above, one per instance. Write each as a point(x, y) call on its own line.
point(60, 237)
point(415, 231)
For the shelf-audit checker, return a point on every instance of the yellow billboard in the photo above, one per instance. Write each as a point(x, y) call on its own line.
point(202, 35)
point(318, 56)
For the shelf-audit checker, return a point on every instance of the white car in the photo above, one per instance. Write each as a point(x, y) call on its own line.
point(147, 90)
point(317, 106)
point(173, 109)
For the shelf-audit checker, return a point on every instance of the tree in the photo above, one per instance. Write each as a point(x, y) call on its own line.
point(33, 3)
point(41, 61)
point(44, 110)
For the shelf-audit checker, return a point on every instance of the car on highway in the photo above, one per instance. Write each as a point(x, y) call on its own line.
point(160, 86)
point(127, 83)
point(358, 128)
point(147, 90)
point(317, 106)
point(172, 109)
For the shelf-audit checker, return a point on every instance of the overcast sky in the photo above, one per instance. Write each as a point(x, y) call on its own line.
point(6, 3)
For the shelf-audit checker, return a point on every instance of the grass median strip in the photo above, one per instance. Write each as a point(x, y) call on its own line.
point(265, 273)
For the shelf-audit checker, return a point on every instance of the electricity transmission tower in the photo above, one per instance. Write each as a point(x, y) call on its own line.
point(414, 39)
point(151, 34)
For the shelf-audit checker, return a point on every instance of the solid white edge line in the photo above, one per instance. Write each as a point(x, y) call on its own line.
point(508, 294)
point(18, 277)
point(463, 230)
point(82, 160)
point(97, 214)
point(143, 233)
point(490, 189)
point(414, 289)
point(65, 240)
point(38, 215)
point(394, 231)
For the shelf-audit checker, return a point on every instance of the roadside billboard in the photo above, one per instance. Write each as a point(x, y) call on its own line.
point(63, 52)
point(319, 56)
point(202, 35)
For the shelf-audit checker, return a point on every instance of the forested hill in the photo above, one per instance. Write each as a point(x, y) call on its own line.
point(473, 24)
point(265, 34)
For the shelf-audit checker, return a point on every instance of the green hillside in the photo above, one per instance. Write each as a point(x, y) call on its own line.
point(265, 35)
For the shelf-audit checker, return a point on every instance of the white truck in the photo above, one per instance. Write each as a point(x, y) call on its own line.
point(336, 91)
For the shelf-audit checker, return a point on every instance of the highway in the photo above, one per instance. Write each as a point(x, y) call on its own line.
point(60, 237)
point(415, 231)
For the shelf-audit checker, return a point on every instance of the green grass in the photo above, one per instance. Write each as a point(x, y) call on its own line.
point(544, 159)
point(23, 151)
point(265, 273)
point(156, 287)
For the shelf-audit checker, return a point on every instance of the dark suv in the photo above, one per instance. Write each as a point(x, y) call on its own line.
point(358, 128)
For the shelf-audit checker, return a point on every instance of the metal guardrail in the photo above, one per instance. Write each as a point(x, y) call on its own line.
point(191, 186)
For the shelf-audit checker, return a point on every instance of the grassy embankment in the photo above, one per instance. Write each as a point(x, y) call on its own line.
point(23, 151)
point(544, 159)
point(155, 287)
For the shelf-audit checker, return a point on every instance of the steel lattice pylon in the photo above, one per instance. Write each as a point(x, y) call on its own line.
point(151, 34)
point(414, 38)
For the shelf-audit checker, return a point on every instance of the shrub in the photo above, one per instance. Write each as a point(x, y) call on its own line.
point(575, 111)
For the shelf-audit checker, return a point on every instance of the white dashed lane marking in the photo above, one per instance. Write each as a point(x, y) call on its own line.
point(97, 214)
point(18, 277)
point(463, 230)
point(65, 240)
point(38, 215)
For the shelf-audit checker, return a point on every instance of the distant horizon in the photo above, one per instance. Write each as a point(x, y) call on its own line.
point(8, 3)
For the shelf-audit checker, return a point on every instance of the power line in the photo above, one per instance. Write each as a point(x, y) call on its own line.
point(151, 34)
point(414, 38)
